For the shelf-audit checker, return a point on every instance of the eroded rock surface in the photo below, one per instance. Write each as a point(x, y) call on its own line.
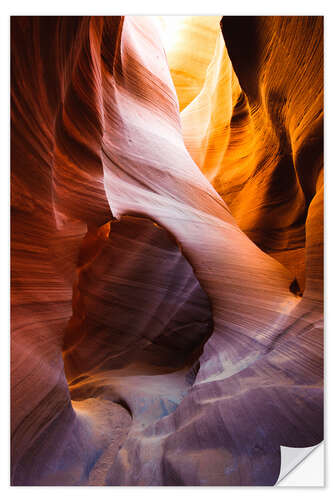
point(167, 267)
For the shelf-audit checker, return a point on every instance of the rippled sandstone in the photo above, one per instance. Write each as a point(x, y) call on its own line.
point(166, 265)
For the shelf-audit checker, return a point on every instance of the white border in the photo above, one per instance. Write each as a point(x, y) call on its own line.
point(145, 7)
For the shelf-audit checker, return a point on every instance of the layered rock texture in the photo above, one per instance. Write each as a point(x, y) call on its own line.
point(167, 249)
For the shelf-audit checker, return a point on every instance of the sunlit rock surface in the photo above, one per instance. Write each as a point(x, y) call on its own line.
point(166, 239)
point(263, 152)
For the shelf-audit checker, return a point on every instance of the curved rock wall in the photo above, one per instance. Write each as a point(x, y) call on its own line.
point(264, 151)
point(166, 267)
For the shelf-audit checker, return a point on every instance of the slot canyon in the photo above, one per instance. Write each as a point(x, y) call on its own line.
point(167, 195)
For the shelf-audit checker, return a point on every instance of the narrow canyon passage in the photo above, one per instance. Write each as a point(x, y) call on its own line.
point(137, 330)
point(166, 248)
